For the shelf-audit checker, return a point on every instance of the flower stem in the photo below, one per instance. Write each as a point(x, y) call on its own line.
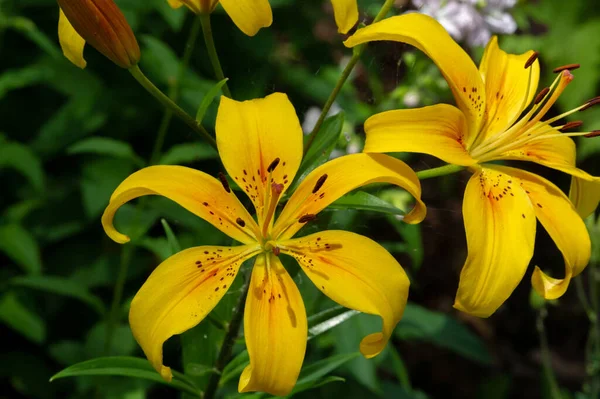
point(113, 315)
point(357, 52)
point(440, 171)
point(212, 51)
point(174, 91)
point(233, 330)
point(593, 348)
point(169, 104)
point(546, 358)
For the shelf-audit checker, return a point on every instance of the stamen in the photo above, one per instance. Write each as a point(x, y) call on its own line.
point(273, 165)
point(276, 251)
point(240, 221)
point(277, 188)
point(593, 133)
point(590, 103)
point(309, 217)
point(224, 182)
point(571, 125)
point(568, 67)
point(541, 95)
point(532, 59)
point(319, 183)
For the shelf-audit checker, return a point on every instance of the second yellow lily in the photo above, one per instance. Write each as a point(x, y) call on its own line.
point(260, 144)
point(501, 203)
point(251, 15)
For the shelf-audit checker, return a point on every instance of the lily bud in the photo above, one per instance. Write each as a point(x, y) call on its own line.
point(101, 24)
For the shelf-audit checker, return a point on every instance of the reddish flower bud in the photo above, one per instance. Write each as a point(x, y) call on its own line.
point(103, 25)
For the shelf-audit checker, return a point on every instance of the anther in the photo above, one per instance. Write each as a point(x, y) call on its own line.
point(240, 221)
point(541, 95)
point(224, 182)
point(568, 67)
point(571, 125)
point(309, 217)
point(590, 103)
point(276, 251)
point(277, 188)
point(593, 133)
point(319, 183)
point(531, 59)
point(273, 165)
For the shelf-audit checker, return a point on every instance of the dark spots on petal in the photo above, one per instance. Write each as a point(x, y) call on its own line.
point(523, 215)
point(205, 203)
point(539, 205)
point(206, 252)
point(224, 182)
point(216, 289)
point(240, 221)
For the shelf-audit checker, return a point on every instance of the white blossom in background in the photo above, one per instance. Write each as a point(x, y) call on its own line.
point(312, 116)
point(471, 21)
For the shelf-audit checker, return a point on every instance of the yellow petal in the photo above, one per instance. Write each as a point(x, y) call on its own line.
point(180, 293)
point(509, 87)
point(249, 15)
point(199, 193)
point(556, 153)
point(426, 34)
point(585, 195)
point(341, 176)
point(251, 136)
point(357, 273)
point(71, 43)
point(276, 329)
point(500, 225)
point(175, 3)
point(437, 130)
point(346, 14)
point(560, 219)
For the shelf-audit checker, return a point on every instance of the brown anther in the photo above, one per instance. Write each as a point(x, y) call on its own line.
point(319, 183)
point(277, 188)
point(224, 182)
point(240, 221)
point(568, 67)
point(591, 103)
point(571, 125)
point(541, 95)
point(593, 133)
point(276, 251)
point(532, 59)
point(273, 165)
point(309, 217)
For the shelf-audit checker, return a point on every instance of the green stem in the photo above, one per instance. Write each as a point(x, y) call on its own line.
point(593, 350)
point(212, 51)
point(226, 348)
point(169, 104)
point(175, 90)
point(546, 358)
point(357, 52)
point(440, 171)
point(115, 306)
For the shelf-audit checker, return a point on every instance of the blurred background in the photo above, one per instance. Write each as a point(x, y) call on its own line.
point(68, 137)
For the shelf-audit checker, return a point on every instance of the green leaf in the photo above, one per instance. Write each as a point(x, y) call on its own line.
point(305, 386)
point(188, 153)
point(442, 330)
point(320, 369)
point(171, 238)
point(30, 30)
point(20, 78)
point(126, 366)
point(21, 247)
point(321, 148)
point(208, 99)
point(105, 146)
point(25, 161)
point(60, 286)
point(15, 315)
point(328, 324)
point(366, 202)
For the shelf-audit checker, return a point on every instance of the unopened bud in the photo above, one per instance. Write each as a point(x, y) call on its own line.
point(101, 24)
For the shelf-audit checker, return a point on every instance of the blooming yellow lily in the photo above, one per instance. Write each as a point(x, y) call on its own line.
point(501, 203)
point(260, 144)
point(101, 24)
point(251, 15)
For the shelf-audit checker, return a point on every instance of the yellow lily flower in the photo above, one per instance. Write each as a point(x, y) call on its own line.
point(100, 23)
point(500, 203)
point(260, 144)
point(251, 15)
